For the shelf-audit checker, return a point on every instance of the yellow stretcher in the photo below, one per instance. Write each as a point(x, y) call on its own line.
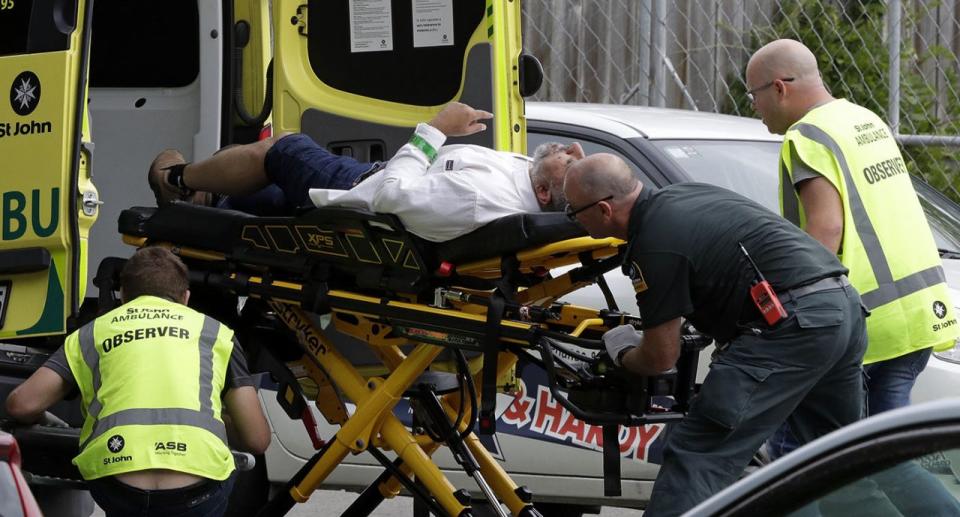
point(486, 297)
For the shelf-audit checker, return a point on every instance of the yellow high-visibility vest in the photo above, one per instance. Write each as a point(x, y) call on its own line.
point(150, 373)
point(887, 243)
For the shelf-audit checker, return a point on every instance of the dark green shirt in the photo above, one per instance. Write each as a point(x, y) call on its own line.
point(684, 259)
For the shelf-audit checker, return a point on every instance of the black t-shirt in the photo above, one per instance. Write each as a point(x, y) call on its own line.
point(237, 372)
point(684, 258)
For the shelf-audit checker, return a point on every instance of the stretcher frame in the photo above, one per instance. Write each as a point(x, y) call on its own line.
point(514, 319)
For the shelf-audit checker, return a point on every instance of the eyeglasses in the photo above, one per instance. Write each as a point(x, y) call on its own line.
point(572, 214)
point(751, 93)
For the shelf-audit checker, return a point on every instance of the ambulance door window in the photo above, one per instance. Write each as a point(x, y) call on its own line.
point(144, 44)
point(347, 49)
point(28, 27)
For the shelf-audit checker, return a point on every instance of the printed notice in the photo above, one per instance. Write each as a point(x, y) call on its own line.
point(432, 23)
point(371, 26)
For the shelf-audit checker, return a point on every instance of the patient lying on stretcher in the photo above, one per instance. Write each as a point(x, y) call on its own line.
point(438, 192)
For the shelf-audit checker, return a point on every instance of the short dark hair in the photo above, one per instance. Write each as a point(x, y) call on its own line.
point(154, 271)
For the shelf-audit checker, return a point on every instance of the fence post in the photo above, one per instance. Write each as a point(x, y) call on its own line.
point(894, 21)
point(658, 52)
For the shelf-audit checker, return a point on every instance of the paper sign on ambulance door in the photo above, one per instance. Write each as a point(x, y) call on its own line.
point(47, 203)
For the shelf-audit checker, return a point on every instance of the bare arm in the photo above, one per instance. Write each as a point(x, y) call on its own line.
point(245, 420)
point(41, 390)
point(824, 210)
point(657, 352)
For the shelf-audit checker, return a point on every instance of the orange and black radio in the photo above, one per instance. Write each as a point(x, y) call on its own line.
point(763, 295)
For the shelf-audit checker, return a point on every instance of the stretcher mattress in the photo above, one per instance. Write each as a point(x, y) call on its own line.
point(374, 246)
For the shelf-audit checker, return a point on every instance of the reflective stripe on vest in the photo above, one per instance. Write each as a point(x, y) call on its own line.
point(204, 418)
point(791, 204)
point(887, 289)
point(90, 356)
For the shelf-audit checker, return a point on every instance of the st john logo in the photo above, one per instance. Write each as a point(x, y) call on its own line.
point(115, 443)
point(939, 309)
point(25, 93)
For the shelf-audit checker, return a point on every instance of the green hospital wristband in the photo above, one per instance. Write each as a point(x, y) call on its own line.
point(418, 142)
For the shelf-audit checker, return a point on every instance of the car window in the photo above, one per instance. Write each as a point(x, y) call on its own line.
point(944, 217)
point(946, 230)
point(929, 485)
point(749, 168)
point(589, 147)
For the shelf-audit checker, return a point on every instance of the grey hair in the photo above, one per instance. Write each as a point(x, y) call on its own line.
point(542, 152)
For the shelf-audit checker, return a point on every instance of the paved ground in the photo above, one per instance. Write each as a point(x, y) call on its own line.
point(328, 503)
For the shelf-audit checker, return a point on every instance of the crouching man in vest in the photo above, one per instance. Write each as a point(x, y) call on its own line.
point(154, 377)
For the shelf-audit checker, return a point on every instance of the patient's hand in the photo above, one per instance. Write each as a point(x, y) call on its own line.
point(458, 119)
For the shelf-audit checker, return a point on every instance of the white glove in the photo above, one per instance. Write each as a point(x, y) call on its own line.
point(620, 339)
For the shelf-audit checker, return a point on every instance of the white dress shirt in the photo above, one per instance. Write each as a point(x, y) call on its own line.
point(466, 187)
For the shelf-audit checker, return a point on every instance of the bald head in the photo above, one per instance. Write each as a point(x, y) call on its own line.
point(602, 188)
point(784, 58)
point(600, 173)
point(784, 83)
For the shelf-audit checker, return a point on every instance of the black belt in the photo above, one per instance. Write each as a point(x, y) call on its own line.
point(750, 312)
point(831, 282)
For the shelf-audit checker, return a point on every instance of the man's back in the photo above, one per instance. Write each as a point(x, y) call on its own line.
point(151, 375)
point(151, 372)
point(702, 226)
point(886, 243)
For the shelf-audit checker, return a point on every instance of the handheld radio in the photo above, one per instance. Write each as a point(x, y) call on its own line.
point(763, 295)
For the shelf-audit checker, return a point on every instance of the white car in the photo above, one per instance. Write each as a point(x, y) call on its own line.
point(538, 442)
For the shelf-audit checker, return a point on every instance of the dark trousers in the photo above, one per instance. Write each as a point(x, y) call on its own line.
point(805, 370)
point(295, 164)
point(888, 387)
point(889, 382)
point(206, 499)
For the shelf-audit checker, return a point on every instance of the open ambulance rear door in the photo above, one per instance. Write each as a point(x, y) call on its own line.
point(47, 202)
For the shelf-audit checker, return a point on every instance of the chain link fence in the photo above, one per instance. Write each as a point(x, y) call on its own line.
point(897, 58)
